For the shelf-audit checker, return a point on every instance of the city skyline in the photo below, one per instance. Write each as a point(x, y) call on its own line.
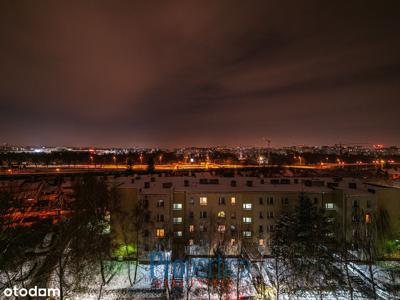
point(201, 74)
point(260, 145)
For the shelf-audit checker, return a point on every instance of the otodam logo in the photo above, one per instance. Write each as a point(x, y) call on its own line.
point(32, 292)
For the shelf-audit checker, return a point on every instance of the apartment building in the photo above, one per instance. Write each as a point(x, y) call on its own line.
point(192, 214)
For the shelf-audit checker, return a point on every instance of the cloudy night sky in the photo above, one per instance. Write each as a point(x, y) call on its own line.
point(201, 73)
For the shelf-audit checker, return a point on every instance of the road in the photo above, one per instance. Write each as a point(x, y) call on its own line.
point(41, 169)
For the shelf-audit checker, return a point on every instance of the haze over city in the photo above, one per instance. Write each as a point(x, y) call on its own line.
point(177, 73)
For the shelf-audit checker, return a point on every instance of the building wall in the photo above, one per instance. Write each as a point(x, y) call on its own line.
point(388, 201)
point(186, 221)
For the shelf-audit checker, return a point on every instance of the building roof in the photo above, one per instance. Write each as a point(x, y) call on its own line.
point(208, 183)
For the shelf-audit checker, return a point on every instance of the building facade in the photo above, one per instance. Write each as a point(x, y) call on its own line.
point(194, 214)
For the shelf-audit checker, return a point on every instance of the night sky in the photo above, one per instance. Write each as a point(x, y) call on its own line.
point(166, 73)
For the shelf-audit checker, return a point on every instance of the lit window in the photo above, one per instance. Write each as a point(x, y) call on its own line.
point(247, 206)
point(247, 233)
point(221, 214)
point(177, 220)
point(367, 218)
point(160, 203)
point(160, 232)
point(178, 233)
point(203, 200)
point(177, 206)
point(221, 228)
point(191, 228)
point(246, 220)
point(329, 205)
point(261, 242)
point(191, 242)
point(233, 200)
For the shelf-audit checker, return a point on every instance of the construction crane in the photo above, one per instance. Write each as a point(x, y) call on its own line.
point(268, 144)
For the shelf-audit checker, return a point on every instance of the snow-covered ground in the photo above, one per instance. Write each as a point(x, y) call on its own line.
point(189, 278)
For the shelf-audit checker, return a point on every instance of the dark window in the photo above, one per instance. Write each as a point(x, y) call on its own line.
point(147, 218)
point(145, 203)
point(352, 185)
point(167, 185)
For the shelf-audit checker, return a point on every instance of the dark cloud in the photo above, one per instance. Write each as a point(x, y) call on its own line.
point(172, 73)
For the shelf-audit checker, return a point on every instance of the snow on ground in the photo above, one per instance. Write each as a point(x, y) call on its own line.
point(151, 280)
